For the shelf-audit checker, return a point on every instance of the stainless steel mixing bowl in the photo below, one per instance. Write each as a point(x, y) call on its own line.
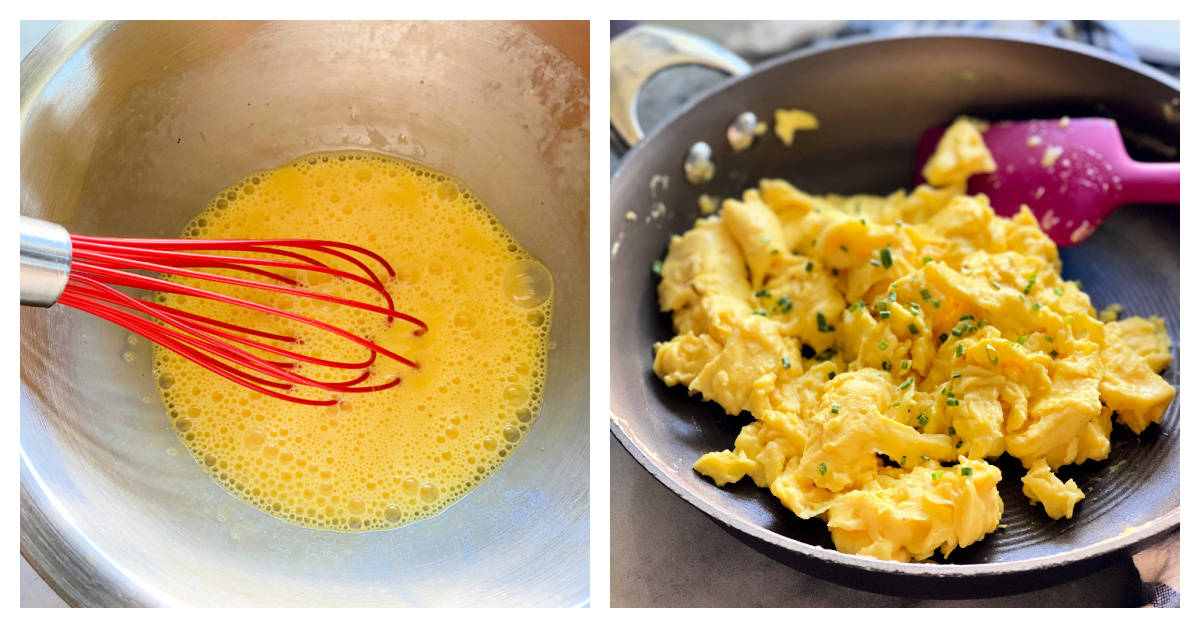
point(129, 129)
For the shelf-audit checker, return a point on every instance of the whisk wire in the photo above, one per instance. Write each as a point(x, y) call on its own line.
point(227, 348)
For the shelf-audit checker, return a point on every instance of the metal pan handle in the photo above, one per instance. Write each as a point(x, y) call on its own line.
point(643, 51)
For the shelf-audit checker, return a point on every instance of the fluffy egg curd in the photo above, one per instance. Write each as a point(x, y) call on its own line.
point(387, 458)
point(888, 347)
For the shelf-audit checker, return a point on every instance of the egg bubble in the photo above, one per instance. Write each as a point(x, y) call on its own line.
point(527, 283)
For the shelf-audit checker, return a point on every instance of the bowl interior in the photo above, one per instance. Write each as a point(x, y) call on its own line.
point(129, 129)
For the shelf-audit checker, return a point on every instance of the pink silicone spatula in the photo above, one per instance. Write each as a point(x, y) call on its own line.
point(1072, 173)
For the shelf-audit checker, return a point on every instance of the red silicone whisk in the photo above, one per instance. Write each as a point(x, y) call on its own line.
point(81, 272)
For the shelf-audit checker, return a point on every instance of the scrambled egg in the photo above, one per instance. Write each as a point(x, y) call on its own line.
point(887, 347)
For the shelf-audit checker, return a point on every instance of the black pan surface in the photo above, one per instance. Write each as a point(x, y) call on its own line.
point(873, 98)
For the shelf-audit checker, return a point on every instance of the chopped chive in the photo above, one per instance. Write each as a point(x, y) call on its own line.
point(808, 267)
point(787, 364)
point(883, 345)
point(774, 251)
point(895, 404)
point(956, 376)
point(913, 329)
point(874, 262)
point(926, 458)
point(904, 365)
point(1070, 320)
point(966, 471)
point(967, 317)
point(822, 468)
point(992, 356)
point(937, 304)
point(956, 332)
point(951, 431)
point(657, 267)
point(762, 293)
point(785, 304)
point(903, 459)
point(887, 366)
point(959, 443)
point(766, 240)
point(1058, 291)
point(923, 419)
point(906, 383)
point(952, 402)
point(843, 247)
point(834, 272)
point(937, 475)
point(832, 374)
point(1048, 338)
point(925, 294)
point(760, 312)
point(885, 257)
point(862, 220)
point(1021, 339)
point(1037, 306)
point(942, 337)
point(1054, 353)
point(821, 325)
point(891, 297)
point(835, 408)
point(958, 351)
point(983, 322)
point(926, 260)
point(1032, 279)
point(825, 355)
point(995, 285)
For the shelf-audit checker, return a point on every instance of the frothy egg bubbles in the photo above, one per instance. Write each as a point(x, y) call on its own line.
point(383, 459)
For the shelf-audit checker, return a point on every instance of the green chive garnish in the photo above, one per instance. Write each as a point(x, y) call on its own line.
point(913, 329)
point(808, 267)
point(883, 345)
point(904, 365)
point(937, 475)
point(656, 267)
point(966, 471)
point(926, 295)
point(887, 366)
point(885, 257)
point(835, 408)
point(762, 293)
point(906, 383)
point(822, 468)
point(958, 351)
point(992, 356)
point(923, 419)
point(1021, 339)
point(787, 364)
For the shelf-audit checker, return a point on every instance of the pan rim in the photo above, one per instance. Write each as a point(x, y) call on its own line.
point(1144, 534)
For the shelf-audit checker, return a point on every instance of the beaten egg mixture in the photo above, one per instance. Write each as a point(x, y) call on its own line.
point(888, 347)
point(387, 458)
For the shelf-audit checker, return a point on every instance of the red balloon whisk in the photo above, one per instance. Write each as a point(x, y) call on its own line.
point(81, 272)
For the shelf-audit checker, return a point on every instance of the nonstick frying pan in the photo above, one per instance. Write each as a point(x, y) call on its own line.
point(873, 97)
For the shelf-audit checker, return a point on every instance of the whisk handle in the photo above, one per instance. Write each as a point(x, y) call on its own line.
point(45, 261)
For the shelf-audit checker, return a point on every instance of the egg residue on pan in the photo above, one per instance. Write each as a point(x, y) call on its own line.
point(888, 347)
point(381, 459)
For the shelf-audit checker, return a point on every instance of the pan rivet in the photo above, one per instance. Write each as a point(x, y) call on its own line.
point(742, 131)
point(698, 165)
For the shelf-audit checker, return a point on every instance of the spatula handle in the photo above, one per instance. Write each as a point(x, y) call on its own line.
point(1143, 182)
